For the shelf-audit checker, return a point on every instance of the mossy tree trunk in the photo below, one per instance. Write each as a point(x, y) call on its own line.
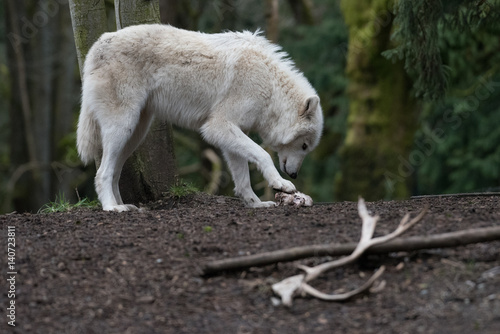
point(150, 170)
point(89, 23)
point(382, 113)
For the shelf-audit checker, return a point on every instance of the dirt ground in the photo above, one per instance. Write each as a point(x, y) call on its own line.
point(90, 271)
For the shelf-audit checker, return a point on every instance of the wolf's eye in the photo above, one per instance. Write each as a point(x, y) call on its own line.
point(304, 146)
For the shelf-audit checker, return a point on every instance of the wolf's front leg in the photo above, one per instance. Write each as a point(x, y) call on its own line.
point(276, 181)
point(241, 177)
point(231, 140)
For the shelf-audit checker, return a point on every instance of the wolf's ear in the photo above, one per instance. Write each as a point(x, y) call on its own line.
point(309, 106)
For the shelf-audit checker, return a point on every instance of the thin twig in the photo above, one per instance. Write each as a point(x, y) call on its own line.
point(457, 195)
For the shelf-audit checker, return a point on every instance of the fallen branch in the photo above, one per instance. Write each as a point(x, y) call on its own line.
point(445, 240)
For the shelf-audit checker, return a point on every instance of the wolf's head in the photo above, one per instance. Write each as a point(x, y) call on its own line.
point(301, 137)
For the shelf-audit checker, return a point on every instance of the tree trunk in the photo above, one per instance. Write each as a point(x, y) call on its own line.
point(132, 12)
point(22, 140)
point(89, 23)
point(302, 11)
point(169, 12)
point(66, 93)
point(382, 114)
point(40, 69)
point(150, 171)
point(41, 102)
point(272, 20)
point(272, 34)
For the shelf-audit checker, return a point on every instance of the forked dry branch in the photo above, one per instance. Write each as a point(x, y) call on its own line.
point(298, 284)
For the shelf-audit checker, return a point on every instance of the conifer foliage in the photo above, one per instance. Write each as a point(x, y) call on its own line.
point(418, 23)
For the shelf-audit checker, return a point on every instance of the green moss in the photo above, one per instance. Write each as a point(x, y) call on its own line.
point(89, 22)
point(138, 165)
point(61, 204)
point(381, 121)
point(182, 189)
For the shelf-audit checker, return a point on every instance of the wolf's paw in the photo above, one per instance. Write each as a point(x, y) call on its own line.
point(255, 202)
point(121, 208)
point(283, 185)
point(267, 204)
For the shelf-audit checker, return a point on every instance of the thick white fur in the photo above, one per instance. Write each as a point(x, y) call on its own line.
point(223, 85)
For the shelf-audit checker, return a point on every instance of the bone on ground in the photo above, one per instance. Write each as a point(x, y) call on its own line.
point(295, 199)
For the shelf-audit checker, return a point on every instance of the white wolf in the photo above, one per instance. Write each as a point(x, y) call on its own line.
point(222, 85)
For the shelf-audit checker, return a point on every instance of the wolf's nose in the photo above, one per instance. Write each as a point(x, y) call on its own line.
point(293, 175)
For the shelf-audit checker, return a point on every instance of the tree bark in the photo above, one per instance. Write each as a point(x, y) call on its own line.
point(89, 23)
point(150, 171)
point(272, 34)
point(132, 12)
point(382, 113)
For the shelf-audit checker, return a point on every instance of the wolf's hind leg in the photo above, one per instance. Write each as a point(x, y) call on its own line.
point(118, 141)
point(112, 148)
point(133, 143)
point(241, 177)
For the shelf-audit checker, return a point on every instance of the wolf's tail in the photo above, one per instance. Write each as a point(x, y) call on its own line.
point(88, 137)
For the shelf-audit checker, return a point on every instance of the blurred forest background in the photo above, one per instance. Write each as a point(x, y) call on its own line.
point(410, 91)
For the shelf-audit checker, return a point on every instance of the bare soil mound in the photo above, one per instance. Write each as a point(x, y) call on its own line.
point(90, 271)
